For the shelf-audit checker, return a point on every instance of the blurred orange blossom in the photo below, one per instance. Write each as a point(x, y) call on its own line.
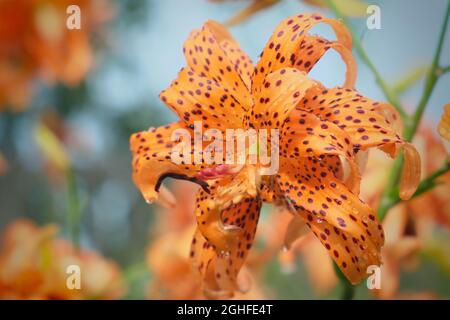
point(33, 265)
point(35, 43)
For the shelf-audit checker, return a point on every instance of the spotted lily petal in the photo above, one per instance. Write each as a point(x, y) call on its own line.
point(152, 159)
point(291, 46)
point(197, 98)
point(282, 90)
point(211, 52)
point(326, 203)
point(210, 208)
point(365, 121)
point(304, 134)
point(220, 269)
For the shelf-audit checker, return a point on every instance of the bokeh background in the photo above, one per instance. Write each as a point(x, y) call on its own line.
point(138, 52)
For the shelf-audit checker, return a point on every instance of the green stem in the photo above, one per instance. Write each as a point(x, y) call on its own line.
point(73, 207)
point(390, 95)
point(432, 77)
point(443, 70)
point(390, 193)
point(408, 80)
point(348, 290)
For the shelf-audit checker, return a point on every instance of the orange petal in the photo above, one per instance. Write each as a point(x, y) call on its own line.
point(209, 53)
point(220, 270)
point(315, 189)
point(152, 161)
point(352, 258)
point(349, 221)
point(197, 98)
point(357, 115)
point(335, 164)
point(444, 127)
point(368, 124)
point(239, 58)
point(282, 90)
point(290, 46)
point(410, 178)
point(210, 208)
point(305, 135)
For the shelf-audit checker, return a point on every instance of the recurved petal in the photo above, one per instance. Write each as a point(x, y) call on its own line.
point(410, 177)
point(359, 116)
point(444, 127)
point(291, 46)
point(212, 52)
point(369, 124)
point(153, 160)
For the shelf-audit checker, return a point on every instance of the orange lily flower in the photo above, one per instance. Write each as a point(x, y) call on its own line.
point(34, 41)
point(33, 265)
point(223, 89)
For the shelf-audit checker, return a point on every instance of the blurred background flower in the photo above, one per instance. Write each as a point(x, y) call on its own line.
point(35, 42)
point(64, 159)
point(34, 264)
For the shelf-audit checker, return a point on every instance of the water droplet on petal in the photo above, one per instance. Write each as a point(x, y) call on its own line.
point(224, 254)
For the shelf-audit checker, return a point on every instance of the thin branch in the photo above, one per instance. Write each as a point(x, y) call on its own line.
point(432, 77)
point(443, 70)
point(410, 79)
point(348, 290)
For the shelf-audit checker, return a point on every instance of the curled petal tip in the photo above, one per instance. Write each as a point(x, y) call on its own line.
point(411, 172)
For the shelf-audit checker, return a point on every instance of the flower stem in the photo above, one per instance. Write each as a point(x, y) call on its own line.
point(73, 207)
point(444, 70)
point(348, 290)
point(432, 77)
point(390, 94)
